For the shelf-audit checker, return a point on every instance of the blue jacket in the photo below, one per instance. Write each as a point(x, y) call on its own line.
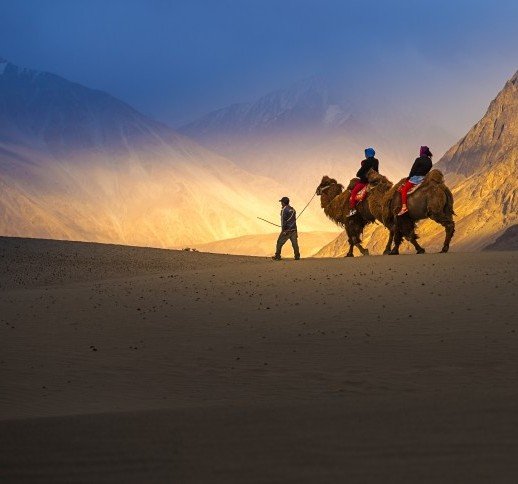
point(288, 218)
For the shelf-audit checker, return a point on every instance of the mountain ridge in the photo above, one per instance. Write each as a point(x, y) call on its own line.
point(311, 128)
point(81, 164)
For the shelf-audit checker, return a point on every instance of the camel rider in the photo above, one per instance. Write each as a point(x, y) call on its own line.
point(368, 163)
point(420, 169)
point(289, 229)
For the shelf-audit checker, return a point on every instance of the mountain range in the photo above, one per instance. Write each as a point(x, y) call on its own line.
point(77, 163)
point(314, 128)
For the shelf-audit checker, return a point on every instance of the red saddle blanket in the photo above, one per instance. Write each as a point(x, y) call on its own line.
point(362, 194)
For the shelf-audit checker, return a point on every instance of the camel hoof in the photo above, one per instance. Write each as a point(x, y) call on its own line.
point(393, 252)
point(386, 252)
point(349, 255)
point(421, 251)
point(444, 250)
point(365, 252)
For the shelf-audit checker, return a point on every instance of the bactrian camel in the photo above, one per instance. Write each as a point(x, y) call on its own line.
point(433, 199)
point(335, 202)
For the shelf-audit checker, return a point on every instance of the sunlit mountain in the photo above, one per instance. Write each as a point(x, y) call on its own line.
point(482, 170)
point(77, 163)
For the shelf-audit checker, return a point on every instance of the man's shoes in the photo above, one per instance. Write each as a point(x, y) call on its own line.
point(404, 209)
point(276, 257)
point(352, 212)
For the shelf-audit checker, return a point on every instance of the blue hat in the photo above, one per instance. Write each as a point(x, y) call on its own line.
point(369, 152)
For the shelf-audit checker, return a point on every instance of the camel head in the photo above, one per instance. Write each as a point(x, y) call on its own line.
point(328, 189)
point(328, 183)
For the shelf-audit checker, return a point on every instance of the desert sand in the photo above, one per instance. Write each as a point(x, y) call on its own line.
point(122, 364)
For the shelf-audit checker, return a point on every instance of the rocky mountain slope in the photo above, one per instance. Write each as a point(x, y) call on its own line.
point(507, 241)
point(481, 169)
point(77, 163)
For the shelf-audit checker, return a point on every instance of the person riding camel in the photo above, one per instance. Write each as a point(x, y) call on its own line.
point(420, 169)
point(368, 163)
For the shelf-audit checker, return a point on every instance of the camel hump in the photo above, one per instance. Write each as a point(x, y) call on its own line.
point(434, 176)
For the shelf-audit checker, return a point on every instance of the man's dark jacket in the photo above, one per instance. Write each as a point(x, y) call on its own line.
point(367, 164)
point(288, 219)
point(421, 166)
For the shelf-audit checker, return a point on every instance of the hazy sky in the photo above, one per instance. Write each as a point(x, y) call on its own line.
point(176, 60)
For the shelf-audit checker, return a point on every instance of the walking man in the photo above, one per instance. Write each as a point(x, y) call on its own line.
point(289, 229)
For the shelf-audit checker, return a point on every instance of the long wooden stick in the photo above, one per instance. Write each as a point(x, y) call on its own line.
point(267, 221)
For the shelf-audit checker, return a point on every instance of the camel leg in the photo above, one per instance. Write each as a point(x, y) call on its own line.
point(449, 228)
point(398, 238)
point(362, 249)
point(401, 229)
point(350, 252)
point(351, 247)
point(413, 240)
point(388, 247)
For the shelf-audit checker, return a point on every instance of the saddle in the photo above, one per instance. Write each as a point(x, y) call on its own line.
point(413, 189)
point(362, 194)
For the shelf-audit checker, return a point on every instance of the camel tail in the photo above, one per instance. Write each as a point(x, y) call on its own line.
point(449, 201)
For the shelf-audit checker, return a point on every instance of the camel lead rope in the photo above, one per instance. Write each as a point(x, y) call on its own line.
point(307, 204)
point(277, 225)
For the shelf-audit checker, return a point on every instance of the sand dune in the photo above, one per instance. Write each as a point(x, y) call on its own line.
point(143, 365)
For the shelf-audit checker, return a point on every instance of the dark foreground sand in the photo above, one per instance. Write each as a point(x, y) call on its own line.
point(120, 364)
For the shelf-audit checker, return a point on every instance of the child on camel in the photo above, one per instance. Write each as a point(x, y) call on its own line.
point(420, 169)
point(368, 163)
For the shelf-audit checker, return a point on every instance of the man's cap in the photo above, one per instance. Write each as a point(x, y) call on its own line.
point(285, 200)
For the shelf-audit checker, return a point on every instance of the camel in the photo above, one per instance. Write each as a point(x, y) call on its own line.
point(335, 202)
point(433, 199)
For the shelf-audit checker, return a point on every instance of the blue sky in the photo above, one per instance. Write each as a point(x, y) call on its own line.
point(176, 60)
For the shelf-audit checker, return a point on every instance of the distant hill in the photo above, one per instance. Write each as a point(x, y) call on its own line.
point(481, 169)
point(310, 129)
point(77, 163)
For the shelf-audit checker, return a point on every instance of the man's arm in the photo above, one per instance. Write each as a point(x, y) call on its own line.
point(287, 215)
